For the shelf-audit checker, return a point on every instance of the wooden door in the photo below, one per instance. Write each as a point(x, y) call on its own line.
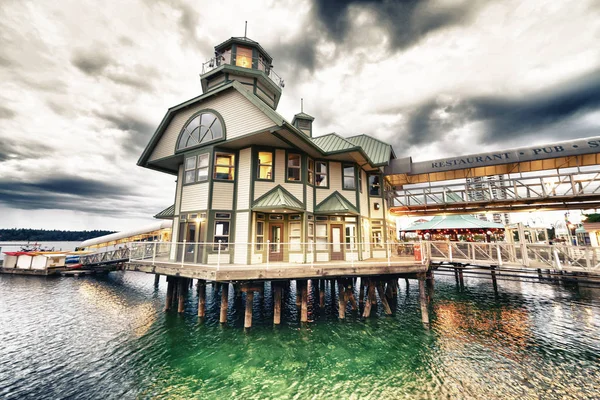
point(275, 239)
point(337, 242)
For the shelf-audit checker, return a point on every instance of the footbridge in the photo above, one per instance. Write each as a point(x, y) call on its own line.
point(564, 175)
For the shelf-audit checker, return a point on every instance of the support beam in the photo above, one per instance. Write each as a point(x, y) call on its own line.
point(460, 278)
point(169, 298)
point(277, 304)
point(224, 302)
point(351, 297)
point(304, 294)
point(248, 316)
point(423, 301)
point(494, 282)
point(383, 298)
point(201, 298)
point(181, 291)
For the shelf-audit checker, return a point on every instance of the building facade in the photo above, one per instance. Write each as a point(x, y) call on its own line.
point(258, 188)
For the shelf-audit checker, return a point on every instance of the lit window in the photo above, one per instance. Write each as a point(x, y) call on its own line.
point(203, 128)
point(311, 171)
point(221, 234)
point(265, 165)
point(377, 238)
point(293, 169)
point(349, 181)
point(321, 173)
point(224, 166)
point(243, 57)
point(374, 186)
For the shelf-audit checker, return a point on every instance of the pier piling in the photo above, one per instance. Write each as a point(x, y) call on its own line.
point(277, 304)
point(201, 298)
point(183, 286)
point(248, 316)
point(156, 280)
point(169, 298)
point(304, 294)
point(423, 301)
point(341, 299)
point(224, 304)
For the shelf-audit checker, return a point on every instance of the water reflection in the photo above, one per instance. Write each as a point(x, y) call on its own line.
point(107, 337)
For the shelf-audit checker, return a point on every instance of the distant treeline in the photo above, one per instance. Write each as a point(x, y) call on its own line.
point(42, 235)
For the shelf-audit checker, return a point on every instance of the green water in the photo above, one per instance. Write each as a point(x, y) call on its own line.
point(109, 338)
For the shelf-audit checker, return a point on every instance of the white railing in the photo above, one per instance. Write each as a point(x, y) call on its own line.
point(270, 255)
point(543, 256)
point(509, 188)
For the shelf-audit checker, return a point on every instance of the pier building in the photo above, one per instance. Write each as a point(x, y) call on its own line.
point(247, 175)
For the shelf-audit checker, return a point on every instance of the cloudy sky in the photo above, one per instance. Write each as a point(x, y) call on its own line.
point(83, 85)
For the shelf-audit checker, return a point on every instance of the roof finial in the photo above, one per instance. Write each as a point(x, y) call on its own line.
point(301, 105)
point(245, 29)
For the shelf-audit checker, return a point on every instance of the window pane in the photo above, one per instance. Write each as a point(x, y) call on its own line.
point(321, 167)
point(243, 57)
point(260, 228)
point(190, 163)
point(321, 230)
point(189, 176)
point(203, 160)
point(293, 160)
point(293, 174)
point(349, 182)
point(374, 187)
point(221, 228)
point(321, 180)
point(265, 165)
point(203, 174)
point(349, 171)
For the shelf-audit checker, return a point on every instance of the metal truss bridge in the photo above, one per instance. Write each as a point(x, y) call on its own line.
point(561, 176)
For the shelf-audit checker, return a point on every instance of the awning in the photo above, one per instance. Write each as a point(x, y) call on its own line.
point(277, 199)
point(453, 222)
point(335, 204)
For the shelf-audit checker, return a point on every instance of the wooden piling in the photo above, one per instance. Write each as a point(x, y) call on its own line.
point(383, 298)
point(304, 295)
point(156, 280)
point(299, 284)
point(351, 297)
point(201, 298)
point(494, 282)
point(423, 301)
point(388, 289)
point(248, 316)
point(460, 278)
point(169, 298)
point(183, 285)
point(341, 300)
point(224, 302)
point(277, 304)
point(369, 301)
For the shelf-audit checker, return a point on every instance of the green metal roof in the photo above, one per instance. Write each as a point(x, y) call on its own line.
point(277, 197)
point(453, 222)
point(303, 115)
point(332, 142)
point(335, 203)
point(167, 213)
point(378, 151)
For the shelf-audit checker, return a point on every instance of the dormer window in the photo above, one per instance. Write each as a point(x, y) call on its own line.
point(202, 128)
point(243, 57)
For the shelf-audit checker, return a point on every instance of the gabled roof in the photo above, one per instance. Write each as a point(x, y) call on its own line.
point(304, 115)
point(234, 85)
point(167, 213)
point(277, 197)
point(453, 222)
point(332, 143)
point(378, 151)
point(335, 203)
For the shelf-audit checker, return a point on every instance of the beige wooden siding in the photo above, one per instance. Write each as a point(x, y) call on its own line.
point(310, 199)
point(174, 238)
point(265, 98)
point(194, 197)
point(376, 213)
point(262, 187)
point(364, 196)
point(222, 196)
point(241, 117)
point(241, 79)
point(178, 190)
point(241, 238)
point(216, 81)
point(244, 177)
point(335, 183)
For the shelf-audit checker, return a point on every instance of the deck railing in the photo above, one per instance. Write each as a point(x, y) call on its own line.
point(278, 254)
point(543, 256)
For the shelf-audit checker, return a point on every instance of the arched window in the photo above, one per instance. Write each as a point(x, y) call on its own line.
point(203, 128)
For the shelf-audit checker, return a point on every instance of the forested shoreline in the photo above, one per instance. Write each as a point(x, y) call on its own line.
point(43, 235)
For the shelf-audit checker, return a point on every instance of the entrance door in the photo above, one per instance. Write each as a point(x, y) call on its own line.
point(337, 247)
point(275, 247)
point(190, 238)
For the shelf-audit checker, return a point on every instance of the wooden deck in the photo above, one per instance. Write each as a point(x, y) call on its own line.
point(234, 272)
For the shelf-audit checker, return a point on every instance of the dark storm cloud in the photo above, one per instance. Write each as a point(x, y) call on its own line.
point(139, 131)
point(12, 149)
point(6, 113)
point(65, 193)
point(547, 113)
point(406, 22)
